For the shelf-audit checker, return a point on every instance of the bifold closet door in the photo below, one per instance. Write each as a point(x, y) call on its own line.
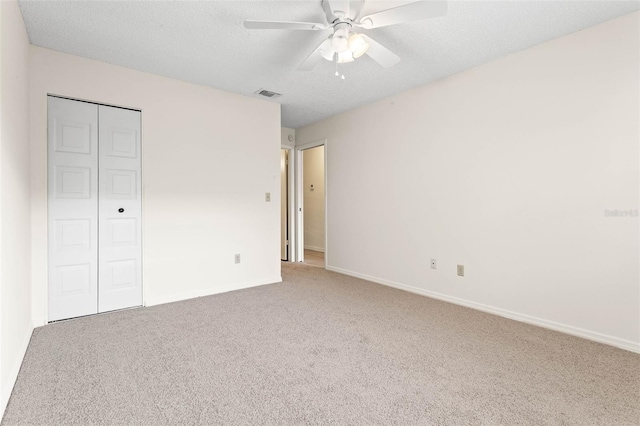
point(94, 197)
point(73, 214)
point(120, 210)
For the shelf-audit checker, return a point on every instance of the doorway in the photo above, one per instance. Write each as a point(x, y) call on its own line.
point(287, 203)
point(284, 204)
point(312, 244)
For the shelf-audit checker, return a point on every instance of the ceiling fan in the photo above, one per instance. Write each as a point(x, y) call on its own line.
point(344, 44)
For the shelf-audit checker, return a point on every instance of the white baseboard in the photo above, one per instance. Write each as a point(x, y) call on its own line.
point(208, 292)
point(312, 248)
point(7, 388)
point(551, 325)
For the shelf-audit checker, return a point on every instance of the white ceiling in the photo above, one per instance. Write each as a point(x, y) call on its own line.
point(204, 42)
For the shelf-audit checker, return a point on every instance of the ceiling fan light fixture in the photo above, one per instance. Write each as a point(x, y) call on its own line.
point(327, 51)
point(340, 43)
point(342, 16)
point(358, 45)
point(344, 57)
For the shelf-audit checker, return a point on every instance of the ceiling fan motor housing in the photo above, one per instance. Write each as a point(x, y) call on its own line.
point(342, 10)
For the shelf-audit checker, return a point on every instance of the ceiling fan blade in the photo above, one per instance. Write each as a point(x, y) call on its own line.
point(408, 13)
point(277, 25)
point(316, 56)
point(381, 54)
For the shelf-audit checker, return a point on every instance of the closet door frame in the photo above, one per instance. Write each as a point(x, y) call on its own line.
point(48, 194)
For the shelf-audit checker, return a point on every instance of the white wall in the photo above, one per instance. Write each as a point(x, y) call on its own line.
point(209, 157)
point(507, 168)
point(313, 174)
point(15, 205)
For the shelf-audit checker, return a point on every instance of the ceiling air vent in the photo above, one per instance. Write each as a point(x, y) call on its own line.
point(268, 94)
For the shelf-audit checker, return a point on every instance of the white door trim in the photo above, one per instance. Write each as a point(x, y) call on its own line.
point(291, 216)
point(300, 199)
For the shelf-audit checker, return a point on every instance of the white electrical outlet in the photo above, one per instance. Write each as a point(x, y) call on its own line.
point(267, 197)
point(461, 270)
point(237, 258)
point(433, 264)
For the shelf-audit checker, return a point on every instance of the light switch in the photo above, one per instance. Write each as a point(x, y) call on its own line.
point(267, 197)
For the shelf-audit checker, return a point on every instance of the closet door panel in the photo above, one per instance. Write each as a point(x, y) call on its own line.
point(72, 208)
point(120, 209)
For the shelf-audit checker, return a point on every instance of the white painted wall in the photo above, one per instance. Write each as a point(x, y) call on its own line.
point(507, 168)
point(209, 157)
point(313, 174)
point(15, 204)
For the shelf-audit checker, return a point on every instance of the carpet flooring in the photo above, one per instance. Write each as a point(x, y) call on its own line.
point(320, 348)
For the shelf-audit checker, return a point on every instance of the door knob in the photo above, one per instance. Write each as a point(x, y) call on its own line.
point(121, 210)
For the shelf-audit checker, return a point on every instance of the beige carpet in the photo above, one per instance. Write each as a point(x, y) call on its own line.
point(320, 348)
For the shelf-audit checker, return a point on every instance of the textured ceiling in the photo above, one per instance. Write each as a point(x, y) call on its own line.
point(204, 42)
